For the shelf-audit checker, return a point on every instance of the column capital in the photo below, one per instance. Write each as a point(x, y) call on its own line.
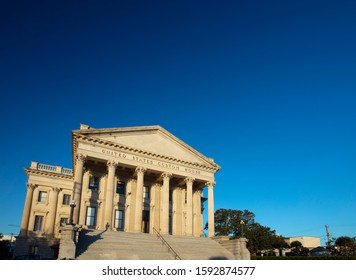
point(165, 175)
point(189, 180)
point(80, 158)
point(30, 186)
point(210, 184)
point(111, 163)
point(140, 170)
point(199, 191)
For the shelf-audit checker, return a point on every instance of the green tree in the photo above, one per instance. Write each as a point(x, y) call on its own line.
point(298, 249)
point(345, 241)
point(260, 238)
point(280, 244)
point(345, 245)
point(228, 221)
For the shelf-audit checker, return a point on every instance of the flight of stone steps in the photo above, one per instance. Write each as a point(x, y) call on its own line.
point(115, 245)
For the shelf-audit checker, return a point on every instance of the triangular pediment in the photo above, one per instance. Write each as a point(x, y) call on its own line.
point(153, 139)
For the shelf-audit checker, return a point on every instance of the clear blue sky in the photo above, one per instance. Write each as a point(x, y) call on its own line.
point(267, 88)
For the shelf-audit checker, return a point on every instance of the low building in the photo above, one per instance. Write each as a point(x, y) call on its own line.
point(308, 242)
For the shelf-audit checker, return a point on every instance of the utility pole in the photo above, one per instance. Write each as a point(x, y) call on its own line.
point(328, 236)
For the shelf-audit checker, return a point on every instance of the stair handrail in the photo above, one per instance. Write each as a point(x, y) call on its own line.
point(170, 249)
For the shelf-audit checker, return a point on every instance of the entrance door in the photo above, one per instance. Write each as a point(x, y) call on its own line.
point(119, 219)
point(145, 221)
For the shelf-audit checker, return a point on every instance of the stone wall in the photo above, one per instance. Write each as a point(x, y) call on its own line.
point(237, 246)
point(42, 247)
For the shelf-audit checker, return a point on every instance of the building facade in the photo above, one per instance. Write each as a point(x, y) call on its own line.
point(134, 179)
point(309, 242)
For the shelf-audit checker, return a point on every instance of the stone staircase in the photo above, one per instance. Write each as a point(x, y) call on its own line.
point(115, 245)
point(198, 248)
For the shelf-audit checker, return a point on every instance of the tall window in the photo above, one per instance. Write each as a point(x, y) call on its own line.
point(119, 219)
point(120, 188)
point(91, 215)
point(93, 183)
point(42, 197)
point(66, 199)
point(38, 223)
point(146, 194)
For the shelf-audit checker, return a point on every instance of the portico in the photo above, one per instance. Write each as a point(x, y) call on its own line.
point(172, 197)
point(161, 181)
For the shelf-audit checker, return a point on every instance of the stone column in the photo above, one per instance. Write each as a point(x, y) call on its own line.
point(140, 171)
point(211, 223)
point(27, 209)
point(100, 221)
point(197, 224)
point(164, 219)
point(50, 221)
point(82, 208)
point(183, 215)
point(189, 181)
point(175, 210)
point(128, 205)
point(109, 198)
point(77, 188)
point(152, 208)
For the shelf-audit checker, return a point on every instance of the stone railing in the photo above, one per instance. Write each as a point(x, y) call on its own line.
point(51, 168)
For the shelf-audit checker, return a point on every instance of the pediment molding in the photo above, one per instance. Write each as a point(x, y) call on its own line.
point(210, 166)
point(93, 136)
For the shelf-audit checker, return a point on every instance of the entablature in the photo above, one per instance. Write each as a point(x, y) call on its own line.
point(132, 158)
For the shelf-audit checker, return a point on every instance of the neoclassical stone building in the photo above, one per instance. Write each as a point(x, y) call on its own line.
point(134, 179)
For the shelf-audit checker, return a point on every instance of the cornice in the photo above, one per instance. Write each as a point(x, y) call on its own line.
point(74, 149)
point(30, 171)
point(142, 129)
point(211, 166)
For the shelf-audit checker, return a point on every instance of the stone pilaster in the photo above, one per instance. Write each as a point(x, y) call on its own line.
point(164, 217)
point(77, 188)
point(51, 218)
point(27, 209)
point(140, 171)
point(211, 223)
point(109, 197)
point(189, 210)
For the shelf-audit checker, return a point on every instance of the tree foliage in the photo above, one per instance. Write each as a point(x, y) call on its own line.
point(345, 246)
point(345, 241)
point(228, 221)
point(237, 223)
point(298, 249)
